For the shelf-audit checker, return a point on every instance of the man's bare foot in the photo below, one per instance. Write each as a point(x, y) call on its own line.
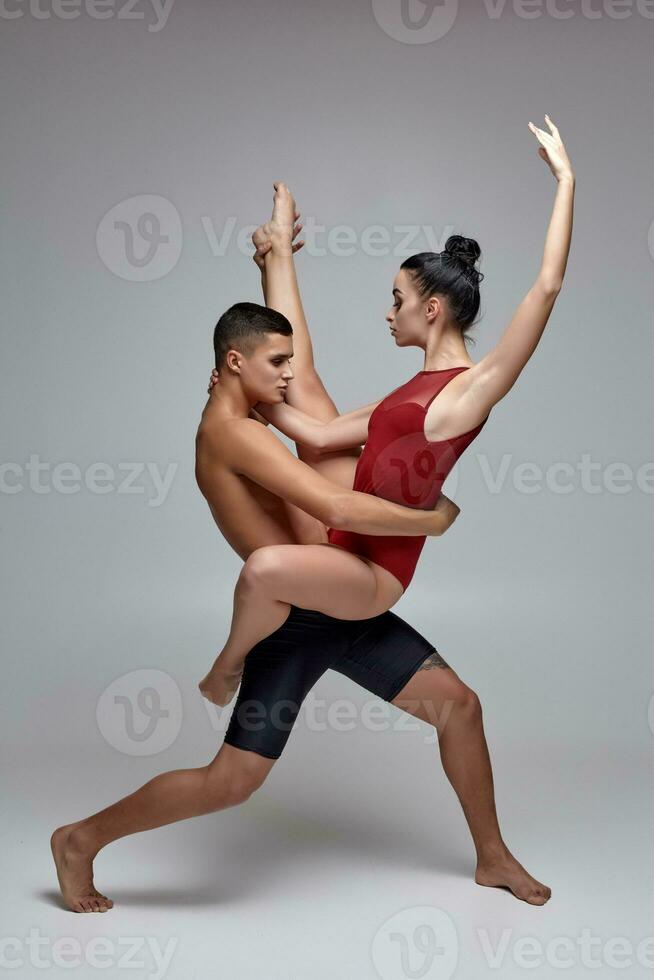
point(75, 872)
point(505, 871)
point(220, 686)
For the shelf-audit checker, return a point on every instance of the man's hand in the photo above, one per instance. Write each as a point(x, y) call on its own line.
point(446, 512)
point(262, 241)
point(281, 230)
point(213, 380)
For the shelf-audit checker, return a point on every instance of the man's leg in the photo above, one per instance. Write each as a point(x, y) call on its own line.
point(228, 780)
point(438, 696)
point(277, 675)
point(392, 660)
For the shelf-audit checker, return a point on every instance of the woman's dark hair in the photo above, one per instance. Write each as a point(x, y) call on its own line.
point(451, 273)
point(244, 326)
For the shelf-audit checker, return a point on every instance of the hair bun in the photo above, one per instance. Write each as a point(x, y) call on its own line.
point(465, 249)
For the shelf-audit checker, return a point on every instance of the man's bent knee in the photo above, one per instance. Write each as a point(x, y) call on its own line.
point(467, 702)
point(235, 774)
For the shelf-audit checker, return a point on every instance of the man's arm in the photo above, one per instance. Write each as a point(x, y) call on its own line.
point(256, 453)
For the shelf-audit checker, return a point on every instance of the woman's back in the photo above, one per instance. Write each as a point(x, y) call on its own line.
point(399, 464)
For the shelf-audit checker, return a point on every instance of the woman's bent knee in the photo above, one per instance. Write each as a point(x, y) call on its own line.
point(259, 568)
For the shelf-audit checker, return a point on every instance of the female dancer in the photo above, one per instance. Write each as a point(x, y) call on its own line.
point(412, 438)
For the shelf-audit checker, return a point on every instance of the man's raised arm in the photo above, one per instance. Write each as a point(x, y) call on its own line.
point(255, 452)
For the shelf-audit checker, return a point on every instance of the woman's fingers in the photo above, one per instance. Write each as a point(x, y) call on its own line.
point(539, 133)
point(547, 139)
point(555, 131)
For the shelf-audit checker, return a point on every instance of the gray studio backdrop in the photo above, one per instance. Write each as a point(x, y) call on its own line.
point(139, 147)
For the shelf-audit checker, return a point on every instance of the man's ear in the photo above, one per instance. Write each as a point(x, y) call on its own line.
point(233, 361)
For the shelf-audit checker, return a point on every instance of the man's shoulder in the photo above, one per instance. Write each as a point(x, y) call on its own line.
point(231, 436)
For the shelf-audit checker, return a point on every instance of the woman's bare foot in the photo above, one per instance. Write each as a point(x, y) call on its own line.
point(220, 686)
point(505, 871)
point(75, 872)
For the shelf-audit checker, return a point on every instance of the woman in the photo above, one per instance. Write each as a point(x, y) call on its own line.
point(412, 438)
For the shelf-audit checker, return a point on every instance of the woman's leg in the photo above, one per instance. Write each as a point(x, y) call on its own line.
point(321, 577)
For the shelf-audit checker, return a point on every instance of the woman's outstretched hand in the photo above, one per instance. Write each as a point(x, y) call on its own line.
point(552, 150)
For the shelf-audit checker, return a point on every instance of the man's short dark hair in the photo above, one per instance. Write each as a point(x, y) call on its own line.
point(243, 326)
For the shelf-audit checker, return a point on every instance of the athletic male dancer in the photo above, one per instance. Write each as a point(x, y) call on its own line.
point(239, 473)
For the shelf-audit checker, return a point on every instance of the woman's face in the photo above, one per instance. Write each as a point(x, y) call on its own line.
point(407, 317)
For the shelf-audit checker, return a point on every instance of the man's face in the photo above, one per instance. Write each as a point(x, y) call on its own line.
point(266, 372)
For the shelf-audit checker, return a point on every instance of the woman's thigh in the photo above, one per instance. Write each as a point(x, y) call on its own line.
point(325, 578)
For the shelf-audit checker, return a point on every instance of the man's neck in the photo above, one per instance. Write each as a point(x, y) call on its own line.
point(231, 399)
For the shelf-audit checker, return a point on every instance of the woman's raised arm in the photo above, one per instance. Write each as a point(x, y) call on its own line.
point(494, 375)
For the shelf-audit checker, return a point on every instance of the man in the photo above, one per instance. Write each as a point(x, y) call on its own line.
point(259, 494)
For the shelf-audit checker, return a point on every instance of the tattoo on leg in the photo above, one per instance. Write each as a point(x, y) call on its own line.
point(433, 660)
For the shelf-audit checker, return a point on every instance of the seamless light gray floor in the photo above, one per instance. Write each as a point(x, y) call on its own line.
point(355, 836)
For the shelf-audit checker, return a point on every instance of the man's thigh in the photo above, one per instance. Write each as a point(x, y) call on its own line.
point(278, 674)
point(384, 655)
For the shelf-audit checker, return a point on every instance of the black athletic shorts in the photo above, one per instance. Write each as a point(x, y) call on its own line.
point(380, 654)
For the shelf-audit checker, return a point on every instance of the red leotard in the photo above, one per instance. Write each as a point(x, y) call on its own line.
point(398, 463)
